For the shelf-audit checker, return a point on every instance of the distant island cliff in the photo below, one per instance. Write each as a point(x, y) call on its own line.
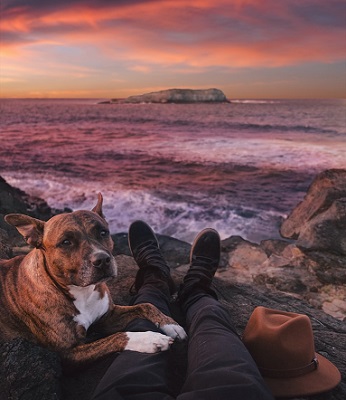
point(184, 96)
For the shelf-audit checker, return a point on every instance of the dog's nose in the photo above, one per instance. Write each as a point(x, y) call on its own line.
point(101, 260)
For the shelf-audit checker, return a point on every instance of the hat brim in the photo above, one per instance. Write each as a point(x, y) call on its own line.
point(324, 378)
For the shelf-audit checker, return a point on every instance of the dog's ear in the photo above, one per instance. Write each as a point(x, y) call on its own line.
point(98, 208)
point(30, 228)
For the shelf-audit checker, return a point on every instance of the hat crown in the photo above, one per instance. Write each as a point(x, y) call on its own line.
point(282, 345)
point(279, 341)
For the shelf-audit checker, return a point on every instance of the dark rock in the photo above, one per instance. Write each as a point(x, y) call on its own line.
point(28, 372)
point(326, 231)
point(178, 96)
point(231, 243)
point(319, 221)
point(13, 200)
point(330, 268)
point(5, 246)
point(168, 245)
point(121, 244)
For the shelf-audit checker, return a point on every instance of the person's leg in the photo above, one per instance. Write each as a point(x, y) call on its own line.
point(134, 375)
point(219, 365)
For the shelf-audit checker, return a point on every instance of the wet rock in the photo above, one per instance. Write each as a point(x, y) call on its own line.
point(13, 200)
point(319, 221)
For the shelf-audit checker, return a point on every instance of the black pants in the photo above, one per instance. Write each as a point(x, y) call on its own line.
point(219, 367)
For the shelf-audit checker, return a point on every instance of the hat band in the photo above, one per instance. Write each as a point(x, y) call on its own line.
point(290, 373)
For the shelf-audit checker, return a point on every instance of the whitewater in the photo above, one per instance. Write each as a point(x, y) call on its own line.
point(240, 167)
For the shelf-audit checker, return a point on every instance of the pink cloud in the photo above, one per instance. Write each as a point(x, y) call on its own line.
point(173, 34)
point(247, 33)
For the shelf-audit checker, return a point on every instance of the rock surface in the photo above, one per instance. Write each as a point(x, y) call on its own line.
point(28, 372)
point(240, 299)
point(319, 221)
point(13, 200)
point(178, 96)
point(275, 273)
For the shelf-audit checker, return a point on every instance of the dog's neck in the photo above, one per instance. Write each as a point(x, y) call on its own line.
point(90, 303)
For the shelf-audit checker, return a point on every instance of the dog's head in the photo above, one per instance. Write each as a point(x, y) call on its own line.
point(77, 247)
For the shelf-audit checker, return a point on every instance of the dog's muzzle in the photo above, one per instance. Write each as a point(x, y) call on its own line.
point(104, 264)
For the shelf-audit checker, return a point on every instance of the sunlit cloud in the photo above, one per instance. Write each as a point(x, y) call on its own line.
point(140, 68)
point(126, 37)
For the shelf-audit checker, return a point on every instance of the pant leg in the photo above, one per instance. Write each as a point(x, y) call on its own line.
point(134, 375)
point(219, 365)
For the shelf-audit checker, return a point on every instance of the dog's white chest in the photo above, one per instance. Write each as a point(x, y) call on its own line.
point(89, 303)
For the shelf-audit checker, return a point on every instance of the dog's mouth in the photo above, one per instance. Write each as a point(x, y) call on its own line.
point(105, 278)
point(92, 276)
point(105, 274)
point(95, 280)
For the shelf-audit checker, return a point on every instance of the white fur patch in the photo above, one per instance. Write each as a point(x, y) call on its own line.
point(148, 342)
point(175, 331)
point(89, 303)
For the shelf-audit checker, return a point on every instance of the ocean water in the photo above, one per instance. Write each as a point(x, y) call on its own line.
point(239, 168)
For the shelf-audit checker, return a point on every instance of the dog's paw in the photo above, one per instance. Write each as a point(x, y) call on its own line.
point(148, 342)
point(175, 331)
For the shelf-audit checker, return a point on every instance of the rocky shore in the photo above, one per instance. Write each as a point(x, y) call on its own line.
point(305, 272)
point(178, 96)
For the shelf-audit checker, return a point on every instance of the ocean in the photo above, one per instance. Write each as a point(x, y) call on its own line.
point(240, 168)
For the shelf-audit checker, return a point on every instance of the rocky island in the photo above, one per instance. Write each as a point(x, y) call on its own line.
point(305, 272)
point(178, 96)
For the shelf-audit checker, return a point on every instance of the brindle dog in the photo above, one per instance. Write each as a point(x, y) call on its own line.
point(52, 295)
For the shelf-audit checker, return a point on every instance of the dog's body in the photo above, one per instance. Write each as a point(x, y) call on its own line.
point(55, 293)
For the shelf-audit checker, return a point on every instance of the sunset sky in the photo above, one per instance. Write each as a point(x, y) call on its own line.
point(117, 48)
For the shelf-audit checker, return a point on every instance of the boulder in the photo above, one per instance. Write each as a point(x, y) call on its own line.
point(13, 200)
point(28, 372)
point(5, 245)
point(178, 96)
point(168, 245)
point(319, 221)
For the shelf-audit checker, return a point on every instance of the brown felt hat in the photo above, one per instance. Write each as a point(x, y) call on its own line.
point(282, 345)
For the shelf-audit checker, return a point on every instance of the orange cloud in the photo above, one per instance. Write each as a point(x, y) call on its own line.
point(140, 36)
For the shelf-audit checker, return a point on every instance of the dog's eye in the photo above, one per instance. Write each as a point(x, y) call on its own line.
point(104, 233)
point(66, 243)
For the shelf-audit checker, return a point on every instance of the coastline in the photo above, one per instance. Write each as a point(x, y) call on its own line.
point(299, 263)
point(275, 273)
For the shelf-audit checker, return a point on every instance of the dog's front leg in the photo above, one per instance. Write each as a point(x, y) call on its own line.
point(144, 342)
point(119, 316)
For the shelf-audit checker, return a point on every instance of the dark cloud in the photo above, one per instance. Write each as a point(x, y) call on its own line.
point(331, 13)
point(14, 38)
point(53, 5)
